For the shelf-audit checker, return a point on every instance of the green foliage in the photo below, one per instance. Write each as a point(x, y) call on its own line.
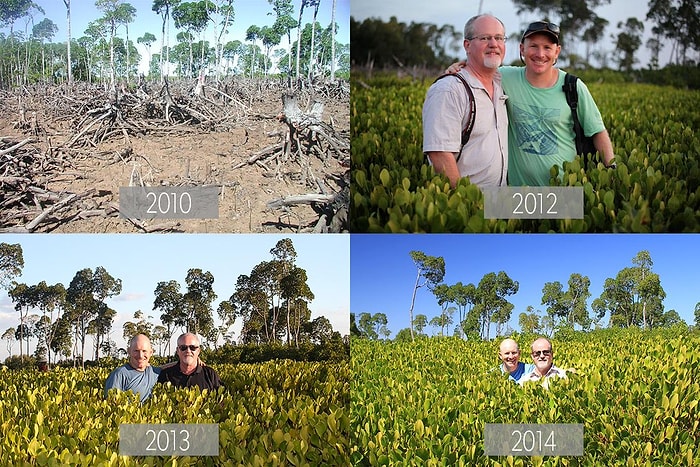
point(426, 403)
point(655, 188)
point(285, 412)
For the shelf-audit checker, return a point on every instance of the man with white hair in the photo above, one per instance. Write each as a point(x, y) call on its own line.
point(544, 367)
point(190, 372)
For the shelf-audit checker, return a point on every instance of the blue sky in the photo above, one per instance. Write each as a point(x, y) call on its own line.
point(247, 13)
point(383, 274)
point(141, 261)
point(457, 12)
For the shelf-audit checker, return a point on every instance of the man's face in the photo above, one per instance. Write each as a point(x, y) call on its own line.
point(487, 46)
point(140, 353)
point(188, 356)
point(542, 356)
point(540, 52)
point(509, 355)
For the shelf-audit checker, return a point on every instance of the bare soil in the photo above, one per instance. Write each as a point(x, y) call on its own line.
point(157, 152)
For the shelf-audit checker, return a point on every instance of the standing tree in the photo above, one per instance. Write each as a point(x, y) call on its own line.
point(9, 336)
point(491, 301)
point(529, 322)
point(85, 301)
point(697, 315)
point(44, 30)
point(569, 306)
point(134, 328)
point(312, 61)
point(284, 23)
point(163, 8)
point(420, 322)
point(252, 34)
point(431, 269)
point(125, 14)
point(111, 18)
point(48, 298)
point(197, 302)
point(147, 39)
point(11, 263)
point(169, 301)
point(628, 42)
point(70, 64)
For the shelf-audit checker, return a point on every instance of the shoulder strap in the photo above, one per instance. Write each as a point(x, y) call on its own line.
point(571, 94)
point(466, 133)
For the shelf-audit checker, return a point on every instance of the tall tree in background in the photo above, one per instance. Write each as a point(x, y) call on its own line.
point(697, 315)
point(197, 302)
point(147, 39)
point(109, 8)
point(125, 14)
point(628, 42)
point(70, 64)
point(49, 298)
point(140, 325)
point(679, 21)
point(9, 336)
point(284, 23)
point(85, 301)
point(333, 42)
point(163, 8)
point(44, 30)
point(302, 5)
point(226, 9)
point(11, 263)
point(432, 270)
point(252, 34)
point(491, 300)
point(169, 301)
point(312, 60)
point(23, 298)
point(569, 306)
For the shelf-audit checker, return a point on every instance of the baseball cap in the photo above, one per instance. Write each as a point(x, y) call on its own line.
point(542, 26)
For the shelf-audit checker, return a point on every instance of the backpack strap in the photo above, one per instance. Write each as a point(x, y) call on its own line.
point(466, 133)
point(571, 93)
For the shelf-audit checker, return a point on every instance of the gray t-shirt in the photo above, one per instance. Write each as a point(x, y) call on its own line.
point(127, 378)
point(484, 158)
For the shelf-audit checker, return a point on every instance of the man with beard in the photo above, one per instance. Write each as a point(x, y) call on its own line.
point(190, 372)
point(449, 107)
point(509, 353)
point(543, 358)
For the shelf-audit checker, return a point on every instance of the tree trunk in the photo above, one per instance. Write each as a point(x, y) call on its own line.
point(313, 39)
point(301, 11)
point(70, 65)
point(333, 42)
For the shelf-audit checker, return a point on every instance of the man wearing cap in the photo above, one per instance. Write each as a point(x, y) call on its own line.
point(540, 129)
point(540, 132)
point(448, 107)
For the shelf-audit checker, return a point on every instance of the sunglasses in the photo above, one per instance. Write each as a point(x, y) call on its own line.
point(543, 26)
point(185, 347)
point(546, 353)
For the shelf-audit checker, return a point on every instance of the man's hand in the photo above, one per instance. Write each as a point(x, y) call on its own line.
point(455, 67)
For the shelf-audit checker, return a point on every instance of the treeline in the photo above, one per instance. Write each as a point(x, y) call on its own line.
point(378, 44)
point(272, 302)
point(632, 299)
point(105, 51)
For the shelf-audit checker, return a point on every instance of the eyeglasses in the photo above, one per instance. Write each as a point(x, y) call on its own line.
point(543, 26)
point(185, 347)
point(487, 38)
point(546, 353)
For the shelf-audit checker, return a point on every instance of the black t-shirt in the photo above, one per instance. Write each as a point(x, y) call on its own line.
point(203, 376)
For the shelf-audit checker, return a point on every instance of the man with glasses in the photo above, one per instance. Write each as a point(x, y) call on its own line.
point(540, 131)
point(543, 358)
point(449, 107)
point(190, 372)
point(509, 353)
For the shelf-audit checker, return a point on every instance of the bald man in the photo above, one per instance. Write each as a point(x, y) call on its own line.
point(543, 356)
point(509, 353)
point(138, 375)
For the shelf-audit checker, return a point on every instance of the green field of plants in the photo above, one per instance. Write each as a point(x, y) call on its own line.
point(274, 413)
point(426, 403)
point(655, 188)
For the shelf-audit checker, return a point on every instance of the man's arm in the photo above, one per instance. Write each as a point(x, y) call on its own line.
point(602, 143)
point(445, 163)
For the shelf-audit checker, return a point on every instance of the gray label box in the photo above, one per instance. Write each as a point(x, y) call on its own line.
point(171, 439)
point(555, 202)
point(162, 202)
point(532, 439)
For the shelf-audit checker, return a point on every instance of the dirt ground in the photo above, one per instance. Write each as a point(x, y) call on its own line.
point(191, 156)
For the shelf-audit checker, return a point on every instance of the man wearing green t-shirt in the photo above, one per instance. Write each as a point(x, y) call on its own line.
point(540, 126)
